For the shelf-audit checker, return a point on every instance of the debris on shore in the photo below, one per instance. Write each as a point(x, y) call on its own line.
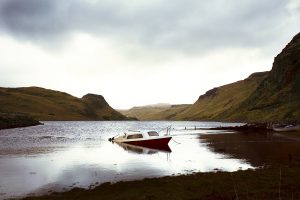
point(249, 127)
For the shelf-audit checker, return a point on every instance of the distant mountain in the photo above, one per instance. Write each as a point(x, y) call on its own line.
point(45, 104)
point(154, 112)
point(157, 105)
point(265, 96)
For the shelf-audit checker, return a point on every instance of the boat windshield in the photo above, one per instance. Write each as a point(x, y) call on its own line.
point(153, 133)
point(134, 136)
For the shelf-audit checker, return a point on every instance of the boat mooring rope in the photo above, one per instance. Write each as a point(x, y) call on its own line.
point(175, 141)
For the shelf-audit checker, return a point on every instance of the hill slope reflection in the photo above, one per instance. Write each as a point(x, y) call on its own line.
point(259, 149)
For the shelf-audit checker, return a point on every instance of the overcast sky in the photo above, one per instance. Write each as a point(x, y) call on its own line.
point(138, 52)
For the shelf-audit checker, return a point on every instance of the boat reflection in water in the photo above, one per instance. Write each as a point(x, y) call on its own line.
point(144, 141)
point(143, 149)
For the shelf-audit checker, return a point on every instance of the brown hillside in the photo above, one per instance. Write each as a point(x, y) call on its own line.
point(45, 104)
point(218, 100)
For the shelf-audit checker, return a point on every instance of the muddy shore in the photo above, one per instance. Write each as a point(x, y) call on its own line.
point(271, 183)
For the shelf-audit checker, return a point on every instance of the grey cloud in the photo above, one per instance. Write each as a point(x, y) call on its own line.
point(179, 25)
point(32, 19)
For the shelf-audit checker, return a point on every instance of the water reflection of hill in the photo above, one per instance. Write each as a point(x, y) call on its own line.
point(257, 149)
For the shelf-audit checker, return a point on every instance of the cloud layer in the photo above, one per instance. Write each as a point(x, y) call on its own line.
point(184, 26)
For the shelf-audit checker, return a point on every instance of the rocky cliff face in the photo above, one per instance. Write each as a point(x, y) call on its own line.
point(278, 96)
point(97, 107)
point(95, 100)
point(286, 67)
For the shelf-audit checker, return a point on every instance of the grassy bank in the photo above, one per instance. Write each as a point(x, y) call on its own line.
point(273, 183)
point(14, 120)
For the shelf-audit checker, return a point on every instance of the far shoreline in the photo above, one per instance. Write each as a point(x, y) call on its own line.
point(17, 120)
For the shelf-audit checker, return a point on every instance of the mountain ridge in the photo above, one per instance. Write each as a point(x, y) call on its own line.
point(154, 111)
point(46, 104)
point(214, 102)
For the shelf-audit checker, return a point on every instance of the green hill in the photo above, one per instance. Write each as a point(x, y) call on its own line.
point(45, 104)
point(154, 112)
point(215, 102)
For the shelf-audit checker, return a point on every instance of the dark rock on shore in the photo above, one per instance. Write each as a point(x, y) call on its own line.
point(246, 128)
point(257, 127)
point(15, 120)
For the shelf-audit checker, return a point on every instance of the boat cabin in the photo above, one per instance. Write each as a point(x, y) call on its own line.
point(153, 133)
point(135, 136)
point(138, 135)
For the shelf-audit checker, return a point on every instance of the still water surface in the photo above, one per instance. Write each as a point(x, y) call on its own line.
point(61, 155)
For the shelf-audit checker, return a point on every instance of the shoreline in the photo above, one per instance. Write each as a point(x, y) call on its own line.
point(249, 127)
point(16, 120)
point(259, 127)
point(263, 183)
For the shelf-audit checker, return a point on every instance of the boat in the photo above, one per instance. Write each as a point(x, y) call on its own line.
point(285, 127)
point(150, 139)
